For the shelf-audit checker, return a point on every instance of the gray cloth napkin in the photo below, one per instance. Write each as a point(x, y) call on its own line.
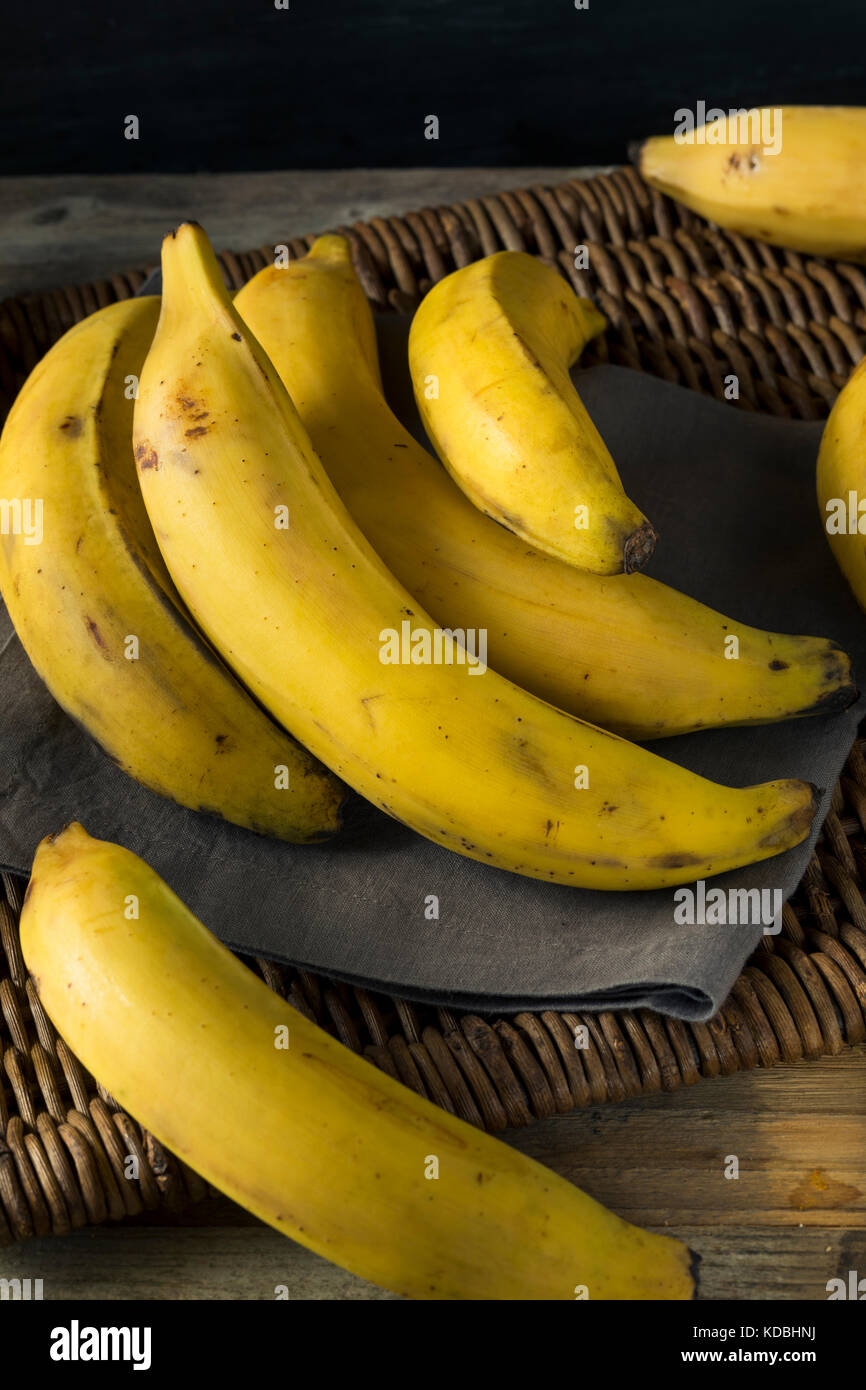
point(733, 497)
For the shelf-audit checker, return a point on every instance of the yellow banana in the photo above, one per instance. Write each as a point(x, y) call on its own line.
point(489, 350)
point(624, 651)
point(326, 638)
point(97, 613)
point(291, 1124)
point(790, 175)
point(842, 481)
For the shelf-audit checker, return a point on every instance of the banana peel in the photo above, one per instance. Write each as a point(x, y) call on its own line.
point(286, 1121)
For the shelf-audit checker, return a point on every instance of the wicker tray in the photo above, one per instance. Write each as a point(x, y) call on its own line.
point(684, 301)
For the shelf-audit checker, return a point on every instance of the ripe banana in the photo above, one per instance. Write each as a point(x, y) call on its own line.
point(291, 1124)
point(97, 613)
point(625, 652)
point(792, 175)
point(311, 616)
point(842, 481)
point(489, 351)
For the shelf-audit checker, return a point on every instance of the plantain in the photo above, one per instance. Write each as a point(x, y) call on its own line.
point(98, 615)
point(841, 481)
point(792, 175)
point(328, 640)
point(625, 652)
point(489, 350)
point(288, 1122)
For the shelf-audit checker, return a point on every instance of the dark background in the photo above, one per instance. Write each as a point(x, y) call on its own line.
point(237, 84)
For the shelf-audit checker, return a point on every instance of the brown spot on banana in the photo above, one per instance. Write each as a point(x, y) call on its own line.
point(146, 457)
point(98, 638)
point(520, 753)
point(72, 426)
point(365, 701)
point(675, 861)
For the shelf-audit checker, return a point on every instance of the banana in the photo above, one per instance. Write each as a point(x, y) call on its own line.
point(325, 637)
point(97, 613)
point(285, 1120)
point(489, 351)
point(625, 652)
point(792, 175)
point(841, 480)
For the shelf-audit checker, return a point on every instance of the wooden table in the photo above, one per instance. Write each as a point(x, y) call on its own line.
point(57, 231)
point(794, 1218)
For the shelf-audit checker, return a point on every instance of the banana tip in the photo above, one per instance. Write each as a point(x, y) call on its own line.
point(53, 836)
point(634, 150)
point(793, 826)
point(331, 246)
point(834, 701)
point(185, 222)
point(72, 826)
point(803, 818)
point(72, 833)
point(639, 547)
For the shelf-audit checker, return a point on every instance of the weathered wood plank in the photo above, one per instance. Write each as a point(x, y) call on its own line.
point(751, 1263)
point(228, 1262)
point(65, 230)
point(798, 1133)
point(771, 1234)
point(219, 1262)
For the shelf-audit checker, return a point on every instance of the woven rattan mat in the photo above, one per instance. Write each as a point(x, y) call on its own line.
point(686, 302)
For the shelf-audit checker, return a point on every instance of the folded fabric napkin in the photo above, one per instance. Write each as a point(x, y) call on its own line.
point(732, 495)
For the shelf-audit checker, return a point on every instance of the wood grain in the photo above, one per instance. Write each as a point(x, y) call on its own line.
point(795, 1218)
point(68, 230)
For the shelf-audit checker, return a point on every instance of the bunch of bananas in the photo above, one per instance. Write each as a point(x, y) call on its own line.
point(236, 527)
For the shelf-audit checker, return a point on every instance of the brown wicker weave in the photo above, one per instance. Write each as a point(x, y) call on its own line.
point(684, 301)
